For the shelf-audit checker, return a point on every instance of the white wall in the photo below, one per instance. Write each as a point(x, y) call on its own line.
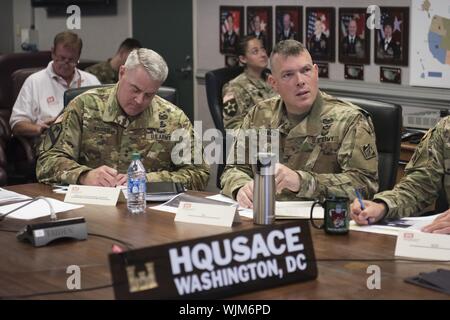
point(101, 35)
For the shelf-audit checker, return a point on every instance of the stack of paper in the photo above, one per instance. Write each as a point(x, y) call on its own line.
point(173, 204)
point(297, 210)
point(393, 227)
point(283, 209)
point(37, 209)
point(10, 196)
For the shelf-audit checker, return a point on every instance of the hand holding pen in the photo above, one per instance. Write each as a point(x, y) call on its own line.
point(365, 212)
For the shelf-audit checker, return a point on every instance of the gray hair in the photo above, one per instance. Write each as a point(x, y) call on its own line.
point(155, 65)
point(288, 48)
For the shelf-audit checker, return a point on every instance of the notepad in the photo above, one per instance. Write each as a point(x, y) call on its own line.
point(297, 210)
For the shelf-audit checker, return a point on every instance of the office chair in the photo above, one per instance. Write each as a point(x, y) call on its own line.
point(11, 62)
point(215, 80)
point(387, 121)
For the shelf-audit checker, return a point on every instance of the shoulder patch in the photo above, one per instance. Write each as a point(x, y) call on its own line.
point(367, 151)
point(230, 108)
point(51, 137)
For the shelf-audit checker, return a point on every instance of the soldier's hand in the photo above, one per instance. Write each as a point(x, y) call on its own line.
point(286, 178)
point(371, 214)
point(103, 176)
point(245, 195)
point(440, 225)
point(121, 179)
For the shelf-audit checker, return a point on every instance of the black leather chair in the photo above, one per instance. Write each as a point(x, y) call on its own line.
point(11, 62)
point(72, 93)
point(215, 80)
point(387, 120)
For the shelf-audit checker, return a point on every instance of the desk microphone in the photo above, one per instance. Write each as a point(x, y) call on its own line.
point(41, 234)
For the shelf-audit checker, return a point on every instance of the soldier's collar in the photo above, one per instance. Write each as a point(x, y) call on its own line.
point(149, 118)
point(112, 110)
point(259, 83)
point(279, 119)
point(313, 124)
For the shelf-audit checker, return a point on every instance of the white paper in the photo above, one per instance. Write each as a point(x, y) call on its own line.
point(37, 209)
point(83, 194)
point(149, 197)
point(373, 229)
point(411, 223)
point(424, 218)
point(221, 197)
point(243, 212)
point(173, 204)
point(297, 210)
point(283, 209)
point(60, 191)
point(209, 214)
point(164, 208)
point(6, 196)
point(422, 245)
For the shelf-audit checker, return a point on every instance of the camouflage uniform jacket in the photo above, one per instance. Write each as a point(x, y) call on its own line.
point(239, 95)
point(333, 149)
point(104, 72)
point(426, 173)
point(95, 131)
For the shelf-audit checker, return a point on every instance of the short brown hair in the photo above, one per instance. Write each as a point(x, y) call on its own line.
point(69, 40)
point(288, 48)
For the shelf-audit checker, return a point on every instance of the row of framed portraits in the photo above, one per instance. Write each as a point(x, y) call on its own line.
point(356, 72)
point(319, 27)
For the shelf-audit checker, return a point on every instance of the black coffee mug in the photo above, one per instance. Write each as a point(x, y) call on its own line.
point(335, 216)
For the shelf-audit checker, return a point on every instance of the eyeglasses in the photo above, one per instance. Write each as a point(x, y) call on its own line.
point(70, 62)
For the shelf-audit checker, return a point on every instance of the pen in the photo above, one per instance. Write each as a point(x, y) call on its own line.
point(361, 203)
point(360, 199)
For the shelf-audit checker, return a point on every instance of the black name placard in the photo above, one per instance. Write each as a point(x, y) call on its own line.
point(217, 266)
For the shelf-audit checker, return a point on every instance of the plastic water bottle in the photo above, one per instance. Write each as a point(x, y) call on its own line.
point(136, 185)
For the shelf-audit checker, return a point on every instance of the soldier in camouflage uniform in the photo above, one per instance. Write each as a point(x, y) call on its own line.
point(101, 128)
point(426, 174)
point(327, 146)
point(108, 71)
point(249, 88)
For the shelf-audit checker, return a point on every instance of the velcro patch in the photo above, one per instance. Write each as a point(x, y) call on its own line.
point(368, 151)
point(51, 136)
point(230, 107)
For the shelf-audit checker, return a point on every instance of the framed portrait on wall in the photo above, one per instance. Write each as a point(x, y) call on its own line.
point(289, 23)
point(259, 24)
point(231, 28)
point(391, 40)
point(320, 33)
point(354, 36)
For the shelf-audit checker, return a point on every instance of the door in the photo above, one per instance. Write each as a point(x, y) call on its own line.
point(166, 27)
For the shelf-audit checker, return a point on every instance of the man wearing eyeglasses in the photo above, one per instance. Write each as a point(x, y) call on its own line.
point(326, 146)
point(40, 100)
